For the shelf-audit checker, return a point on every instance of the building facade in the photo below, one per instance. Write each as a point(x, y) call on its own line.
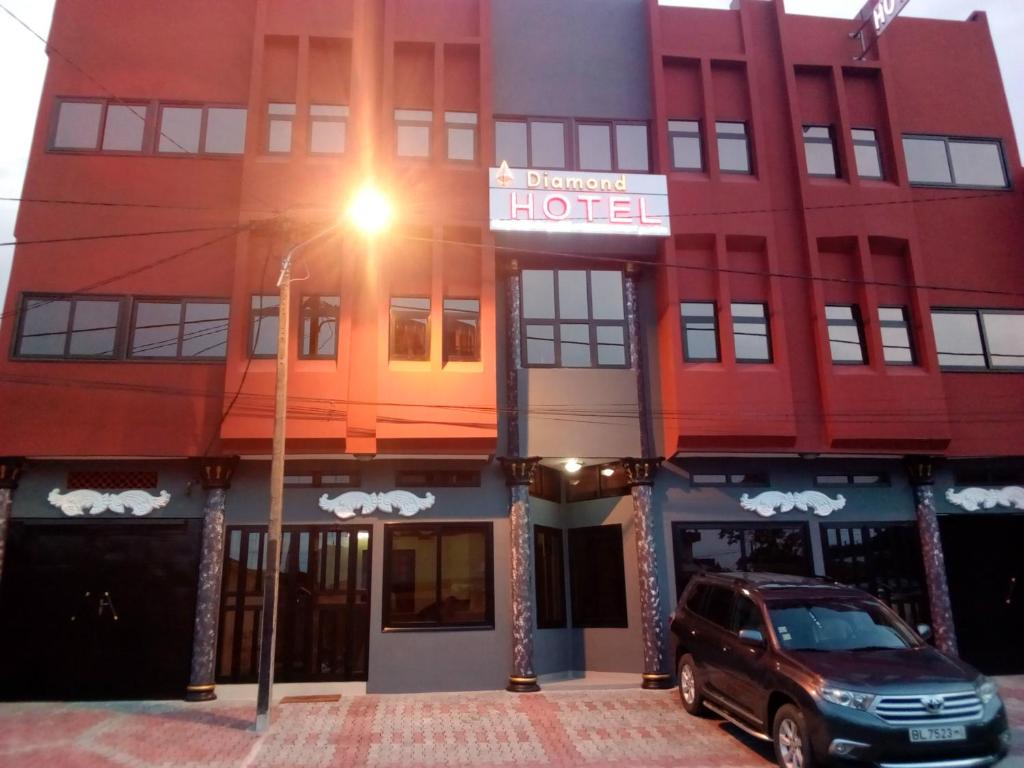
point(668, 290)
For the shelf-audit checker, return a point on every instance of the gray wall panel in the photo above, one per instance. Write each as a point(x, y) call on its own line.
point(573, 58)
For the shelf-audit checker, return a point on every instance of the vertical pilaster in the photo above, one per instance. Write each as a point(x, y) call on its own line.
point(640, 476)
point(920, 470)
point(216, 479)
point(10, 472)
point(518, 476)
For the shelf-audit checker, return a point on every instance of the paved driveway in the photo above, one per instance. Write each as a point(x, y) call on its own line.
point(572, 728)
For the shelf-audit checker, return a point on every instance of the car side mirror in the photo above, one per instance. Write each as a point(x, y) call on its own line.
point(924, 631)
point(752, 637)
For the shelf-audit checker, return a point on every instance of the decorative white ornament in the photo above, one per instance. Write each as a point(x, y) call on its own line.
point(74, 503)
point(765, 503)
point(973, 499)
point(405, 503)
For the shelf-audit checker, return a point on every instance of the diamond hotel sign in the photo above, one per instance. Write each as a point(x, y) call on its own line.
point(527, 200)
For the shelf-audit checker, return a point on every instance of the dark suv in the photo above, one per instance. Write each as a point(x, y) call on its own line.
point(830, 674)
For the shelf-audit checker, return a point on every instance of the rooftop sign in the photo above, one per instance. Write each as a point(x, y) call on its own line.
point(526, 200)
point(881, 13)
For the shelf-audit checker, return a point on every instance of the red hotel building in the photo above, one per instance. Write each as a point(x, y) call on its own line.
point(668, 290)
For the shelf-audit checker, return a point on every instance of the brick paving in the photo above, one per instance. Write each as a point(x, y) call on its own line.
point(594, 728)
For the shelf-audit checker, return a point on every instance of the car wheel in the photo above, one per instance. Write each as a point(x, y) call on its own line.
point(789, 734)
point(689, 688)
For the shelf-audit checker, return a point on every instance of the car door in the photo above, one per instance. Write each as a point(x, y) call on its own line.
point(712, 611)
point(742, 675)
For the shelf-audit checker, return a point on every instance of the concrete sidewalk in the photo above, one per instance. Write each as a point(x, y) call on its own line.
point(555, 728)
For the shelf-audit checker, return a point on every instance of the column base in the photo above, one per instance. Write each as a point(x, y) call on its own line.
point(200, 692)
point(656, 682)
point(522, 684)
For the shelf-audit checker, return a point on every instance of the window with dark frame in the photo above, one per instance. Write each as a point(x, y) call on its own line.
point(594, 146)
point(867, 153)
point(280, 127)
point(438, 576)
point(412, 132)
point(598, 481)
point(820, 151)
point(733, 147)
point(845, 334)
point(410, 328)
point(328, 129)
point(602, 146)
point(947, 161)
point(979, 339)
point(700, 331)
point(897, 348)
point(318, 317)
point(437, 478)
point(185, 128)
point(263, 322)
point(124, 128)
point(460, 128)
point(684, 138)
point(719, 547)
point(547, 484)
point(597, 577)
point(461, 330)
point(862, 479)
point(182, 329)
point(68, 326)
point(297, 476)
point(751, 339)
point(746, 479)
point(549, 577)
point(574, 318)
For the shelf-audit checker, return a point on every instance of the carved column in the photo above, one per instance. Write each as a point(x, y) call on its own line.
point(216, 479)
point(640, 476)
point(10, 471)
point(518, 476)
point(920, 470)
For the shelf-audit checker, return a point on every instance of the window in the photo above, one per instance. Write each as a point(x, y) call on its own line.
point(328, 126)
point(68, 327)
point(875, 479)
point(297, 476)
point(574, 318)
point(717, 607)
point(410, 328)
point(319, 316)
point(280, 122)
point(597, 577)
point(944, 161)
point(461, 129)
point(461, 329)
point(882, 559)
point(746, 615)
point(550, 577)
point(533, 143)
point(598, 481)
point(438, 576)
point(713, 548)
point(896, 346)
point(180, 329)
point(684, 138)
point(595, 146)
point(437, 478)
point(78, 124)
point(263, 326)
point(547, 144)
point(217, 130)
point(631, 152)
point(750, 333)
point(547, 484)
point(700, 331)
point(974, 339)
point(867, 153)
point(412, 132)
point(820, 151)
point(744, 479)
point(733, 147)
point(845, 334)
point(124, 128)
point(510, 143)
point(604, 146)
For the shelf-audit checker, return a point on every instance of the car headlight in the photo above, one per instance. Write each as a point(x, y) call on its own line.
point(985, 689)
point(844, 698)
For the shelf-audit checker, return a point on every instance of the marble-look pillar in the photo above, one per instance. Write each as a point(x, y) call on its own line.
point(519, 475)
point(10, 472)
point(920, 470)
point(640, 476)
point(216, 479)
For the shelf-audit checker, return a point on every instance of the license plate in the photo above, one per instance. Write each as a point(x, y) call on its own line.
point(939, 733)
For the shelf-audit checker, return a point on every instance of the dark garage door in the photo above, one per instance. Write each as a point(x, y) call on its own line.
point(98, 609)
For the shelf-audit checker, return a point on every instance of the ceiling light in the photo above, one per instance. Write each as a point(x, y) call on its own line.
point(572, 466)
point(608, 471)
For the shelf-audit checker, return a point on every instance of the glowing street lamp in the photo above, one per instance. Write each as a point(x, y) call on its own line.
point(369, 212)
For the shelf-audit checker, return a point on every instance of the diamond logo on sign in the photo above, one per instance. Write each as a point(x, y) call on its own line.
point(504, 176)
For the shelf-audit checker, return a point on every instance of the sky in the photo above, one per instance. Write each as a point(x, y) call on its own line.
point(23, 58)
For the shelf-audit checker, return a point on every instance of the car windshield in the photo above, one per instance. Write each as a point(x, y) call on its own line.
point(834, 625)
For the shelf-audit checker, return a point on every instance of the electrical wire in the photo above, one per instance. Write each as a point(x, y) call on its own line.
point(117, 235)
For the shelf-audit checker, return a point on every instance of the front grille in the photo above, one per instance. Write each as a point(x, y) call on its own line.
point(928, 709)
